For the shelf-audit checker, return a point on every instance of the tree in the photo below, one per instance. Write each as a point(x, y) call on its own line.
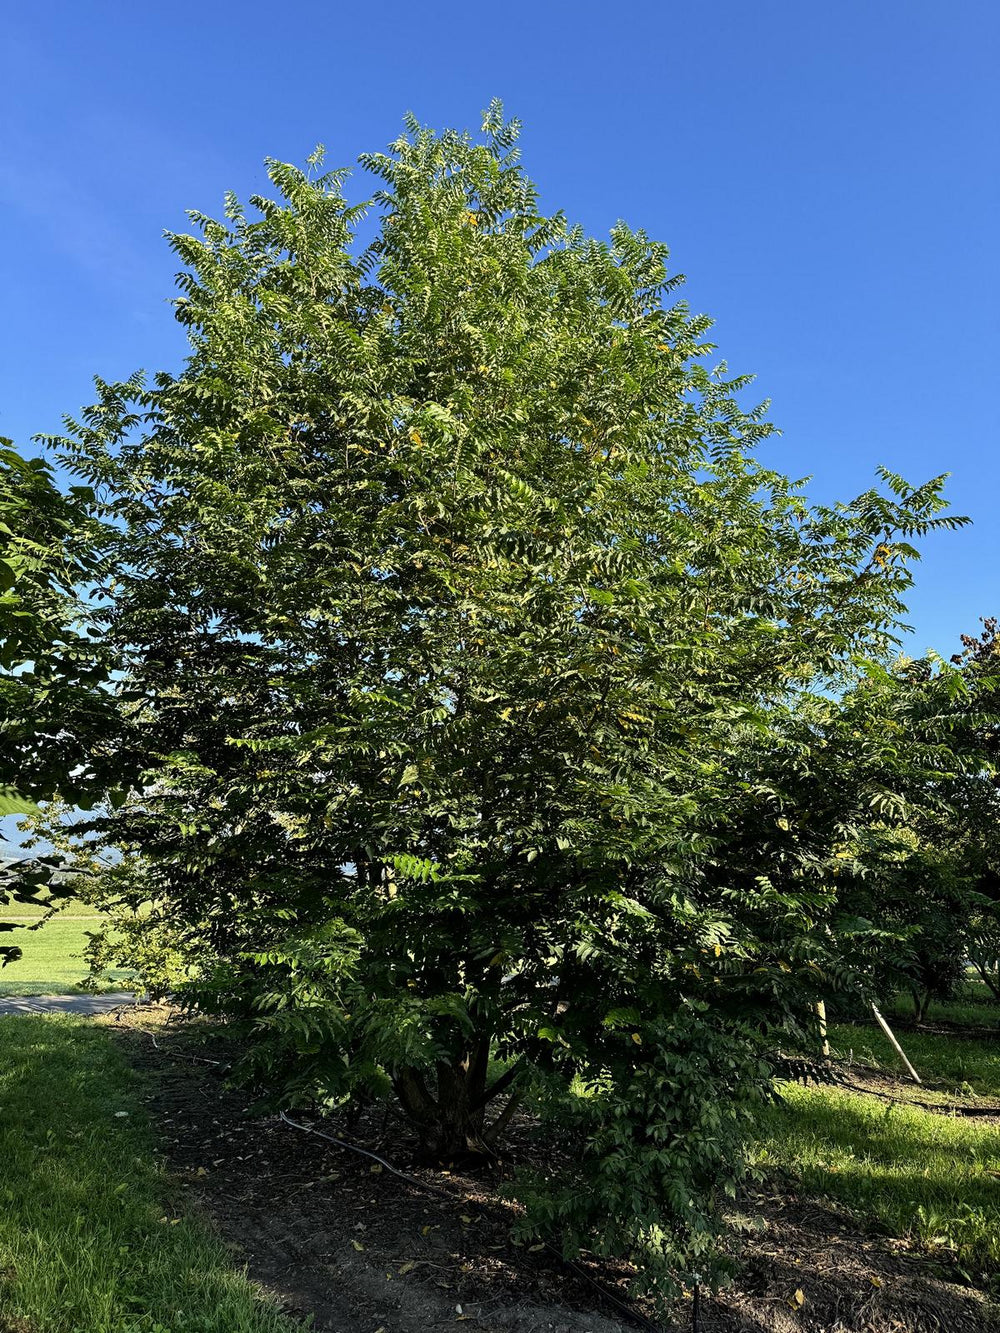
point(53, 710)
point(979, 662)
point(473, 657)
point(905, 769)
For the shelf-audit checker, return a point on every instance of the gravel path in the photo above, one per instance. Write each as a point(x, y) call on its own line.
point(64, 1004)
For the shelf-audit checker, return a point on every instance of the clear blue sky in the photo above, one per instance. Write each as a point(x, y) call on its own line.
point(825, 174)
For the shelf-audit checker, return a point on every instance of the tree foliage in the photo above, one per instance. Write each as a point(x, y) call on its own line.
point(54, 714)
point(490, 691)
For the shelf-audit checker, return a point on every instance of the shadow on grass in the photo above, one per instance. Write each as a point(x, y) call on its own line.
point(941, 1059)
point(917, 1174)
point(89, 1237)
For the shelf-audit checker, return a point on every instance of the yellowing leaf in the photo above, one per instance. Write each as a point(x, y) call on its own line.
point(405, 1268)
point(357, 1245)
point(797, 1300)
point(636, 1038)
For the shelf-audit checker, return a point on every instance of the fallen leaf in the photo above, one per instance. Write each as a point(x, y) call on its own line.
point(405, 1268)
point(876, 1282)
point(357, 1245)
point(798, 1299)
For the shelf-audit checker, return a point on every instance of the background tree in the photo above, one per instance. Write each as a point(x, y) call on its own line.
point(907, 742)
point(483, 678)
point(978, 837)
point(53, 711)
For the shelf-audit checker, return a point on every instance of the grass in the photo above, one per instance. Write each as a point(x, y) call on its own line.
point(976, 1006)
point(932, 1178)
point(91, 1237)
point(944, 1062)
point(52, 962)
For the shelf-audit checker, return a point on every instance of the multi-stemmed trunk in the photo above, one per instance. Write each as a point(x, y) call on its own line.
point(457, 1112)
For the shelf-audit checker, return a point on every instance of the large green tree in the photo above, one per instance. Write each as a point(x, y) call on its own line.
point(480, 673)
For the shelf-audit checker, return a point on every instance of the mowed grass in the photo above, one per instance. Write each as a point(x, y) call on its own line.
point(974, 1006)
point(931, 1178)
point(52, 962)
point(91, 1237)
point(946, 1062)
point(928, 1177)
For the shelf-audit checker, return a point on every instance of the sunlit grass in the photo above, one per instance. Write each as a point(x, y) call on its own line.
point(52, 962)
point(974, 1006)
point(90, 1238)
point(946, 1062)
point(933, 1178)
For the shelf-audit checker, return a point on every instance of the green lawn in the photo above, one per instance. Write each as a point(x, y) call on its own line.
point(943, 1062)
point(929, 1177)
point(91, 1237)
point(932, 1178)
point(52, 962)
point(975, 1006)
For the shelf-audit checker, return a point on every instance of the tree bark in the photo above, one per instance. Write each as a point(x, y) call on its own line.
point(452, 1121)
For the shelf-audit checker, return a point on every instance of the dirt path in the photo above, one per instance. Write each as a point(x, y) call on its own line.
point(338, 1237)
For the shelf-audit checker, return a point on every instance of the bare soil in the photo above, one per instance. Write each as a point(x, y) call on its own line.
point(339, 1237)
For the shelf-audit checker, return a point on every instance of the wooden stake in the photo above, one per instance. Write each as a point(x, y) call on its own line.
point(821, 1015)
point(899, 1050)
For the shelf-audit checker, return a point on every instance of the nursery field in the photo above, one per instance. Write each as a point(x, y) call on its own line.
point(143, 1195)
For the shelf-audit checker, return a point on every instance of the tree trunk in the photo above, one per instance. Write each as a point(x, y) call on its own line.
point(921, 1003)
point(993, 981)
point(453, 1122)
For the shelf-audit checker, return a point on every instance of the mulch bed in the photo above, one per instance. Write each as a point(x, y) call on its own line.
point(337, 1236)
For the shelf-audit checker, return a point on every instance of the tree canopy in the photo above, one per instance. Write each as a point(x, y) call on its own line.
point(510, 735)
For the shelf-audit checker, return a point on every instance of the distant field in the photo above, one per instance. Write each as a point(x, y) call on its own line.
point(52, 962)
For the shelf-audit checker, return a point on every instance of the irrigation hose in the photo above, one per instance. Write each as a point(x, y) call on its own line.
point(630, 1313)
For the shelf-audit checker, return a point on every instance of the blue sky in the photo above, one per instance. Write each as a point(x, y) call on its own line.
point(826, 176)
